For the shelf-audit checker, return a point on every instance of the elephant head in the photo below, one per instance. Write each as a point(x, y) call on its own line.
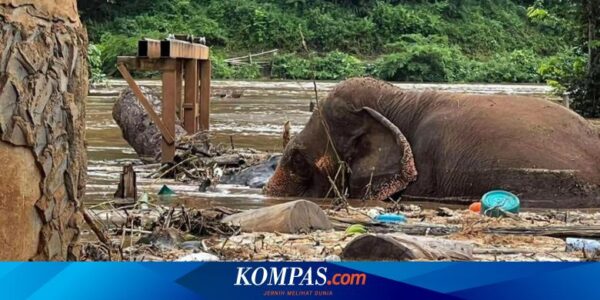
point(350, 129)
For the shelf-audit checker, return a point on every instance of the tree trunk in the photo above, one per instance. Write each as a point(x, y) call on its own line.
point(591, 10)
point(43, 85)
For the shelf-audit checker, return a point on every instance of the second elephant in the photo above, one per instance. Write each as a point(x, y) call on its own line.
point(442, 147)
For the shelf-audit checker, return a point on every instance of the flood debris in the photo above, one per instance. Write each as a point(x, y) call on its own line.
point(198, 257)
point(402, 247)
point(255, 176)
point(162, 233)
point(589, 248)
point(299, 216)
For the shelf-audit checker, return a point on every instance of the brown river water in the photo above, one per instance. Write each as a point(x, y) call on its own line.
point(254, 120)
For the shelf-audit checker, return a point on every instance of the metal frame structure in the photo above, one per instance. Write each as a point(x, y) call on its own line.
point(179, 62)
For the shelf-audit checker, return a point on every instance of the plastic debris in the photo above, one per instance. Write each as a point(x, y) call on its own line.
point(498, 203)
point(356, 229)
point(197, 257)
point(166, 191)
point(333, 258)
point(374, 212)
point(391, 218)
point(475, 207)
point(143, 200)
point(591, 248)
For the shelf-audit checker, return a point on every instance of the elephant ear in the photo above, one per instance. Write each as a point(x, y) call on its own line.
point(383, 162)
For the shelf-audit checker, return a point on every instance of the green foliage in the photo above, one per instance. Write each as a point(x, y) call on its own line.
point(223, 70)
point(560, 70)
point(111, 46)
point(337, 65)
point(395, 20)
point(416, 40)
point(516, 66)
point(333, 66)
point(291, 66)
point(95, 64)
point(417, 58)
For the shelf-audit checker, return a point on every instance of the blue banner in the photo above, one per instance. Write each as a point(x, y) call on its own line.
point(299, 280)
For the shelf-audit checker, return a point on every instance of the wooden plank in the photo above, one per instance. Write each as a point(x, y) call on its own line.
point(179, 90)
point(169, 81)
point(147, 64)
point(205, 75)
point(167, 135)
point(190, 107)
point(127, 188)
point(181, 49)
point(149, 48)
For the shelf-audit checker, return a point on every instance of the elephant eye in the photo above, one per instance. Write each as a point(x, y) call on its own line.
point(298, 160)
point(300, 165)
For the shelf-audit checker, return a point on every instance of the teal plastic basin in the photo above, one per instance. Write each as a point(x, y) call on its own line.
point(495, 203)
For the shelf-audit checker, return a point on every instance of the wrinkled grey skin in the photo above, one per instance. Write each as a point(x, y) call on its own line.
point(461, 145)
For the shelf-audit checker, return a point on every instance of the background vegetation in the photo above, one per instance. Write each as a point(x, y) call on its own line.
point(496, 41)
point(451, 40)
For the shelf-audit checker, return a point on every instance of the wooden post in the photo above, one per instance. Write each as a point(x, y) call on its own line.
point(169, 83)
point(190, 105)
point(566, 100)
point(178, 89)
point(127, 185)
point(205, 74)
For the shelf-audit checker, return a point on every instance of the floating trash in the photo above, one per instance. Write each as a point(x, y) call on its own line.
point(166, 191)
point(591, 248)
point(497, 203)
point(391, 218)
point(475, 207)
point(356, 229)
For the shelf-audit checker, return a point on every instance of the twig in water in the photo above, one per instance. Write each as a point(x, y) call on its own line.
point(341, 199)
point(99, 233)
point(193, 158)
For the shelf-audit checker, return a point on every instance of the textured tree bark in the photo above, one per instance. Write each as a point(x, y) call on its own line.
point(43, 85)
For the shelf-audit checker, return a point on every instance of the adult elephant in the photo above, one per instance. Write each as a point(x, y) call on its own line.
point(460, 145)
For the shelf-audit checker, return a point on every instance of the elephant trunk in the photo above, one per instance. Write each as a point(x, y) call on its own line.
point(283, 184)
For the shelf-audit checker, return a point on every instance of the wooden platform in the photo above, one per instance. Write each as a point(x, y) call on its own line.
point(180, 63)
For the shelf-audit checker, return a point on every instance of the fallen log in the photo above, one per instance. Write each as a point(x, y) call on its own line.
point(581, 231)
point(293, 217)
point(228, 160)
point(137, 126)
point(402, 247)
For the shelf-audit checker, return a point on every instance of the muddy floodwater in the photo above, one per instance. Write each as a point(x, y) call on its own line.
point(253, 121)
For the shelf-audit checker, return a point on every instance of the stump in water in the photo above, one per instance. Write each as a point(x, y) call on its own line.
point(137, 127)
point(401, 247)
point(43, 85)
point(127, 188)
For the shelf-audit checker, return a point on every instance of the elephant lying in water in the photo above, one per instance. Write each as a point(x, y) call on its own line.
point(460, 145)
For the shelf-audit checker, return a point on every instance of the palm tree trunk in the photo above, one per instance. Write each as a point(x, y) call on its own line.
point(43, 85)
